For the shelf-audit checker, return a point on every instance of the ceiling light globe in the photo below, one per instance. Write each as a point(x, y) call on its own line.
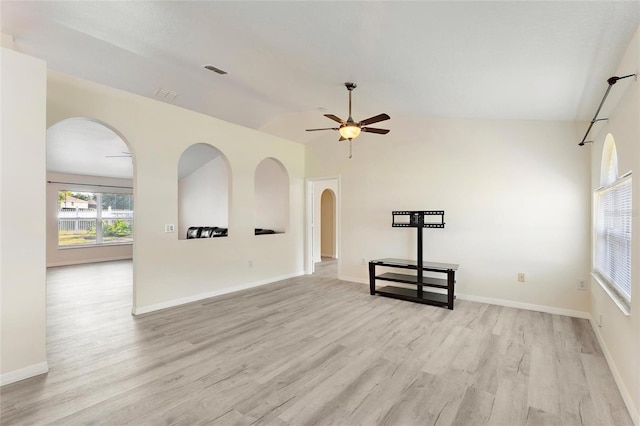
point(349, 131)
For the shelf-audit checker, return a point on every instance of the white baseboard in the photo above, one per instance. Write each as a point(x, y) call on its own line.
point(499, 302)
point(527, 306)
point(83, 261)
point(24, 373)
point(626, 397)
point(207, 295)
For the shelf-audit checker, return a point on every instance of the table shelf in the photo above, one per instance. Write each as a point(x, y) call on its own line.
point(418, 294)
point(428, 297)
point(412, 279)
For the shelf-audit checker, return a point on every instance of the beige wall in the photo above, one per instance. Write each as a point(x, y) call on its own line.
point(71, 256)
point(619, 334)
point(22, 216)
point(515, 193)
point(169, 271)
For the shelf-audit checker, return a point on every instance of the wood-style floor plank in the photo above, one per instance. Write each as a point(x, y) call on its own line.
point(311, 350)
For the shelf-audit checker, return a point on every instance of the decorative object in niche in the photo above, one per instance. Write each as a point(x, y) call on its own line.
point(260, 231)
point(206, 232)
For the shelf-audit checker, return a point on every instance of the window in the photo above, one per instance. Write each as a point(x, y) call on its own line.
point(612, 257)
point(94, 218)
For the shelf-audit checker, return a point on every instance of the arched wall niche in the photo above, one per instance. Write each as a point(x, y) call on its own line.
point(203, 193)
point(271, 197)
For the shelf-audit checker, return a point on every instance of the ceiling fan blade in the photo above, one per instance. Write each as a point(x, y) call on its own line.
point(376, 119)
point(374, 130)
point(334, 118)
point(325, 128)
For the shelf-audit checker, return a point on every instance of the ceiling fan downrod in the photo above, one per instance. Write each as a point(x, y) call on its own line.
point(350, 87)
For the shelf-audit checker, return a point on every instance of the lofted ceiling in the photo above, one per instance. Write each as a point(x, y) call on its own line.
point(287, 61)
point(84, 147)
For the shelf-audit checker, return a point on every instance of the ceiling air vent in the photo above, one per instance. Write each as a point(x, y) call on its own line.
point(165, 94)
point(214, 69)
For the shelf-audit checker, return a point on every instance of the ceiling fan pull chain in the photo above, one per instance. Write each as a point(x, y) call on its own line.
point(350, 142)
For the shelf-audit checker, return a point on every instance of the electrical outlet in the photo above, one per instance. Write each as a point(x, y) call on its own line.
point(250, 263)
point(169, 228)
point(520, 277)
point(363, 261)
point(582, 285)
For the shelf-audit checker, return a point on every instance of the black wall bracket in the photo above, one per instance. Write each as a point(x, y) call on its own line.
point(611, 81)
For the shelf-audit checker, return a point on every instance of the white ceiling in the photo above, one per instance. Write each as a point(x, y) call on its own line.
point(84, 147)
point(543, 60)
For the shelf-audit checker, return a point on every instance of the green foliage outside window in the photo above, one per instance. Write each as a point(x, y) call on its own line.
point(117, 228)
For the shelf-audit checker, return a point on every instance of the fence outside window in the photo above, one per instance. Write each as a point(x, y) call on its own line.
point(78, 217)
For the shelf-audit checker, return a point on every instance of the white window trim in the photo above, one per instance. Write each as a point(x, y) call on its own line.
point(620, 301)
point(617, 300)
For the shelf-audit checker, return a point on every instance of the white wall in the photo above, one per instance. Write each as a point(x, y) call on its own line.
point(318, 188)
point(515, 193)
point(22, 216)
point(167, 270)
point(620, 334)
point(271, 196)
point(203, 197)
point(70, 256)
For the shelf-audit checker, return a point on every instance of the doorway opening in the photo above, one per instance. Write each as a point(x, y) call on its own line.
point(323, 226)
point(90, 196)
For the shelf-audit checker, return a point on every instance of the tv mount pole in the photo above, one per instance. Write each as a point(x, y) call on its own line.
point(417, 220)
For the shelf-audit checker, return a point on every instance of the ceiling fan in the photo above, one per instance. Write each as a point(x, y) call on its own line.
point(349, 129)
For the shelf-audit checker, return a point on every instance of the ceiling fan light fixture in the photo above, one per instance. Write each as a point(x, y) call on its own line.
point(349, 131)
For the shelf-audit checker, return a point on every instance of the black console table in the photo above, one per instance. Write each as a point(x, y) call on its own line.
point(418, 294)
point(419, 220)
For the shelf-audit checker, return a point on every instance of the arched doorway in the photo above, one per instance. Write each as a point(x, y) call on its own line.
point(316, 188)
point(328, 224)
point(90, 193)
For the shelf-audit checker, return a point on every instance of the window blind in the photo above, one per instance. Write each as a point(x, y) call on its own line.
point(612, 260)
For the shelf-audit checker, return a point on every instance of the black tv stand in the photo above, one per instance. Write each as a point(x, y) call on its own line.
point(418, 294)
point(415, 219)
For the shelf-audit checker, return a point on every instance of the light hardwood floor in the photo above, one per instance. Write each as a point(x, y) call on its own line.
point(308, 350)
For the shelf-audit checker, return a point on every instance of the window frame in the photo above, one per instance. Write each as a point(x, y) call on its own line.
point(99, 224)
point(621, 232)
